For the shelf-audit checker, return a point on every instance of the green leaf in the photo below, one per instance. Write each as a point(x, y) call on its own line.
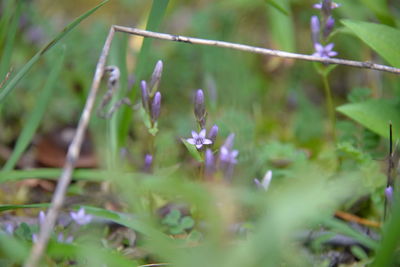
point(172, 218)
point(375, 115)
point(34, 118)
point(13, 207)
point(79, 174)
point(278, 6)
point(25, 69)
point(381, 38)
point(192, 150)
point(187, 222)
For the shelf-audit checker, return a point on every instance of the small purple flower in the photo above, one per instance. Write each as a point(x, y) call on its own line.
point(330, 23)
point(156, 106)
point(229, 141)
point(228, 156)
point(68, 240)
point(333, 5)
point(35, 238)
point(315, 28)
point(265, 182)
point(209, 163)
point(41, 218)
point(148, 161)
point(81, 217)
point(200, 108)
point(389, 193)
point(145, 95)
point(9, 228)
point(199, 139)
point(324, 51)
point(212, 134)
point(156, 76)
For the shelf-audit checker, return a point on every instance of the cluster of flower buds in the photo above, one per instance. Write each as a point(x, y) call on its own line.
point(80, 218)
point(225, 161)
point(325, 26)
point(151, 97)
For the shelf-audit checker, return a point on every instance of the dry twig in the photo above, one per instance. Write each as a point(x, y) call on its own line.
point(75, 146)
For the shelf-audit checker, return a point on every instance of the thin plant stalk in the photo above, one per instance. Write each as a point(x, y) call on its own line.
point(329, 105)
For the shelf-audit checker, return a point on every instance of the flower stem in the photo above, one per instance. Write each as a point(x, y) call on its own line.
point(329, 105)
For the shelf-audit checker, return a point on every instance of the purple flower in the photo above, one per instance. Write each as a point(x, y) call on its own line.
point(68, 240)
point(35, 238)
point(148, 160)
point(156, 76)
point(145, 95)
point(81, 217)
point(315, 27)
point(229, 141)
point(200, 108)
point(389, 193)
point(264, 183)
point(156, 106)
point(41, 218)
point(212, 134)
point(333, 5)
point(199, 139)
point(324, 51)
point(228, 156)
point(330, 22)
point(9, 228)
point(209, 163)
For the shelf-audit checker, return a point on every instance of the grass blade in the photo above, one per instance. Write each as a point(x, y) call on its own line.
point(25, 69)
point(33, 121)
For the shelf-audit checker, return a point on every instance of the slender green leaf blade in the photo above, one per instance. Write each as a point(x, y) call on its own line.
point(25, 69)
point(35, 117)
point(375, 115)
point(278, 6)
point(13, 207)
point(381, 38)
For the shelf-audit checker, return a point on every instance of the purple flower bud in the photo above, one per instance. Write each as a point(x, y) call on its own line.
point(145, 95)
point(156, 107)
point(41, 218)
point(68, 240)
point(212, 134)
point(200, 108)
point(9, 228)
point(148, 161)
point(156, 77)
point(330, 22)
point(209, 163)
point(315, 27)
point(389, 193)
point(229, 141)
point(81, 217)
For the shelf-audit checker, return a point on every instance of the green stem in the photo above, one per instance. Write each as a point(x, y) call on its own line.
point(329, 105)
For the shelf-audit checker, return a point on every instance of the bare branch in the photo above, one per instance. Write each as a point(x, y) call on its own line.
point(72, 156)
point(254, 49)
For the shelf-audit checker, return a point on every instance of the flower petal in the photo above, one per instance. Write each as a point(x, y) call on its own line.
point(195, 135)
point(191, 141)
point(202, 133)
point(207, 141)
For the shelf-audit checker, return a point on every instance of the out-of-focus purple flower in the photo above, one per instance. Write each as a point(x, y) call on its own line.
point(315, 28)
point(9, 228)
point(389, 193)
point(265, 182)
point(209, 163)
point(145, 95)
point(330, 23)
point(200, 108)
point(156, 76)
point(229, 141)
point(148, 161)
point(41, 218)
point(156, 106)
point(35, 238)
point(332, 6)
point(324, 51)
point(81, 217)
point(199, 139)
point(228, 156)
point(212, 134)
point(61, 239)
